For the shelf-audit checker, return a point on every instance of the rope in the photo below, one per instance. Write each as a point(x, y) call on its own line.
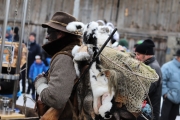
point(25, 100)
point(127, 69)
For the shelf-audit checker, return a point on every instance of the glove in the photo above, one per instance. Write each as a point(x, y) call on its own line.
point(40, 83)
point(39, 76)
point(30, 81)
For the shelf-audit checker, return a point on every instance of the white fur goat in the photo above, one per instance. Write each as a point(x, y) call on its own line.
point(94, 36)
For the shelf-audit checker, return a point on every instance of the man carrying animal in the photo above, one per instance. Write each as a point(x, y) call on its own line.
point(145, 53)
point(55, 89)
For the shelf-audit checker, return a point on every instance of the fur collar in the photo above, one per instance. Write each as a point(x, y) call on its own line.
point(62, 44)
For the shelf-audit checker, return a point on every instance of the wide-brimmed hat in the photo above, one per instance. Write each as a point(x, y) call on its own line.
point(59, 21)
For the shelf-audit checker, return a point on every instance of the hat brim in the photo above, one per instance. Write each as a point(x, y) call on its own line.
point(57, 27)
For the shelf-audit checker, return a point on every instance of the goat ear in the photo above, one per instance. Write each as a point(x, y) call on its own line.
point(75, 26)
point(107, 73)
point(104, 29)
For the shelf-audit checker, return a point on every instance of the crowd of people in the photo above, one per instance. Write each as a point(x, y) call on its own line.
point(37, 62)
point(56, 88)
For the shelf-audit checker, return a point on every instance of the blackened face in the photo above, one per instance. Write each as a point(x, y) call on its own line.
point(52, 34)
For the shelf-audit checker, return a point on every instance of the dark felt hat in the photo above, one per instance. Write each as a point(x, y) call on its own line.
point(146, 47)
point(59, 21)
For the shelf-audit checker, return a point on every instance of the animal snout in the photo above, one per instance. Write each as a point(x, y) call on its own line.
point(108, 115)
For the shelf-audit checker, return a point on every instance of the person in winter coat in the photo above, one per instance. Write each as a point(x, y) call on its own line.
point(55, 88)
point(145, 53)
point(171, 88)
point(46, 59)
point(34, 49)
point(16, 34)
point(36, 68)
point(9, 34)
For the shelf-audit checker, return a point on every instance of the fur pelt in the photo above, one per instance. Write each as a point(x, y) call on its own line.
point(103, 88)
point(102, 93)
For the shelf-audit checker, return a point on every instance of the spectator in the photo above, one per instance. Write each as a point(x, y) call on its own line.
point(171, 88)
point(121, 48)
point(16, 34)
point(46, 59)
point(135, 45)
point(145, 53)
point(9, 34)
point(36, 68)
point(124, 43)
point(34, 49)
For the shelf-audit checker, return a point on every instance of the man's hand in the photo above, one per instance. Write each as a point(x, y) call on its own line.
point(30, 81)
point(40, 83)
point(39, 76)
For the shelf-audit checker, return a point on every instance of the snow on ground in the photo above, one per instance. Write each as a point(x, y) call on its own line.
point(29, 102)
point(177, 117)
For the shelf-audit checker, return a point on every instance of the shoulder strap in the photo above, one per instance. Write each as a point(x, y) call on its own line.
point(61, 52)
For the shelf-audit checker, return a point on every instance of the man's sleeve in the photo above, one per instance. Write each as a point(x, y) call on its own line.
point(62, 76)
point(165, 79)
point(31, 72)
point(38, 50)
point(155, 84)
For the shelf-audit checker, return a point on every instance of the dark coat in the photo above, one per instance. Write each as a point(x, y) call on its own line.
point(16, 38)
point(34, 49)
point(155, 89)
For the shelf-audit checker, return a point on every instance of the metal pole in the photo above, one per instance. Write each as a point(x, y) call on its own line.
point(19, 52)
point(4, 32)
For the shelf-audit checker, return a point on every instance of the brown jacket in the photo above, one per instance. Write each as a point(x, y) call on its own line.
point(62, 75)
